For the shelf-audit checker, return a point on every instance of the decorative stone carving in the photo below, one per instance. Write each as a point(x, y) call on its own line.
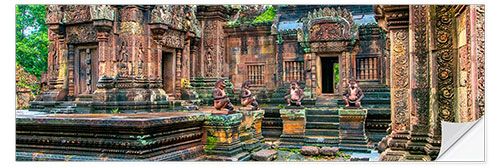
point(174, 39)
point(400, 81)
point(84, 33)
point(420, 92)
point(54, 14)
point(445, 62)
point(102, 12)
point(480, 59)
point(172, 15)
point(76, 14)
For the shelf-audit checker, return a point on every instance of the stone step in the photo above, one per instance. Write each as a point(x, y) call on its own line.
point(322, 111)
point(359, 142)
point(322, 118)
point(329, 140)
point(354, 148)
point(361, 138)
point(322, 132)
point(322, 125)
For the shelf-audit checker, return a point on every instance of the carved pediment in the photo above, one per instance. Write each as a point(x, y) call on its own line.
point(179, 17)
point(328, 25)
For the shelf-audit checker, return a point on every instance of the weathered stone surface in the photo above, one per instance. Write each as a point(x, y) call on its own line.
point(309, 150)
point(294, 122)
point(328, 150)
point(109, 137)
point(265, 155)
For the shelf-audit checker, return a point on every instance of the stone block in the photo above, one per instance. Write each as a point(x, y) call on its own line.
point(294, 122)
point(309, 150)
point(265, 155)
point(328, 150)
point(225, 128)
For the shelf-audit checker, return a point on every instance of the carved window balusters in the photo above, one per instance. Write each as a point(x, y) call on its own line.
point(367, 68)
point(294, 70)
point(255, 74)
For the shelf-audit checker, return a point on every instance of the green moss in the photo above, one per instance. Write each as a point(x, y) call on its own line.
point(211, 142)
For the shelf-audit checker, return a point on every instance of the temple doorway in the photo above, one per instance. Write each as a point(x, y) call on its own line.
point(86, 70)
point(168, 72)
point(329, 74)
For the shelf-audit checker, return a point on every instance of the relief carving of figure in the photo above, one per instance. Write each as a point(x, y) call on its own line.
point(220, 98)
point(294, 95)
point(123, 59)
point(140, 55)
point(247, 98)
point(353, 94)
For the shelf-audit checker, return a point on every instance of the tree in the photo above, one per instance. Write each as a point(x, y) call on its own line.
point(31, 38)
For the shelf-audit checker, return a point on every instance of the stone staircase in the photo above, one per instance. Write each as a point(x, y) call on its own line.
point(378, 102)
point(272, 125)
point(322, 127)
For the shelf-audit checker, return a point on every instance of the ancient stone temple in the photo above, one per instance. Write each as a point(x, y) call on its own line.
point(136, 82)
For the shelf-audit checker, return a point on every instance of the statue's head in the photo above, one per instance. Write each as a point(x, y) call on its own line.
point(353, 83)
point(294, 84)
point(245, 84)
point(220, 84)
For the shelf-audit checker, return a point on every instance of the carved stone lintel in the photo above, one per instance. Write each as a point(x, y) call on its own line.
point(103, 28)
point(158, 30)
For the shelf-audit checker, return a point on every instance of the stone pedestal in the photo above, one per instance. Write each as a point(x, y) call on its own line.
point(294, 127)
point(223, 143)
point(250, 129)
point(165, 136)
point(352, 129)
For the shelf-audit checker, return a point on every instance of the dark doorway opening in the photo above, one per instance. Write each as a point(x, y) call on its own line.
point(329, 74)
point(168, 72)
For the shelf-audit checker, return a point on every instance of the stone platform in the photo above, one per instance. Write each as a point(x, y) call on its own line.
point(352, 130)
point(294, 127)
point(171, 136)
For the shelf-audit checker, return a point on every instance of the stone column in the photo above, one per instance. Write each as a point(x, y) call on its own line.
point(419, 81)
point(477, 16)
point(103, 17)
point(443, 75)
point(396, 19)
point(158, 31)
point(279, 59)
point(212, 47)
point(60, 81)
point(314, 75)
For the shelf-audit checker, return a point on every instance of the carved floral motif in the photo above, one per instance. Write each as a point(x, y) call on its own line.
point(83, 33)
point(76, 14)
point(54, 14)
point(420, 114)
point(445, 63)
point(480, 58)
point(102, 12)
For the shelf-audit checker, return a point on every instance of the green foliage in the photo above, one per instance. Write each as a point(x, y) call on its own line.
point(211, 142)
point(336, 67)
point(264, 105)
point(281, 106)
point(343, 155)
point(115, 111)
point(31, 38)
point(267, 16)
point(287, 149)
